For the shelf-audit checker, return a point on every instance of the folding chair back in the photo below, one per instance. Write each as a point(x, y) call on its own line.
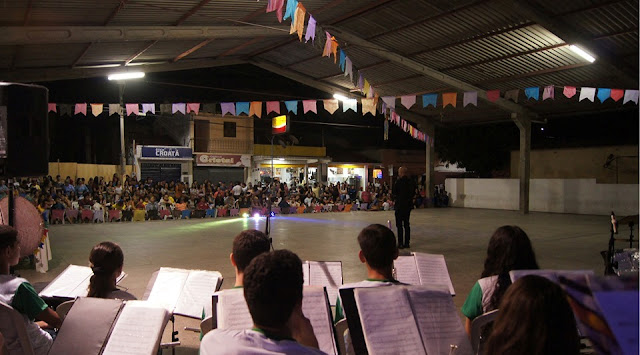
point(340, 208)
point(114, 214)
point(293, 210)
point(275, 210)
point(347, 208)
point(222, 212)
point(138, 215)
point(14, 330)
point(153, 214)
point(87, 215)
point(98, 216)
point(71, 214)
point(234, 212)
point(57, 216)
point(210, 213)
point(477, 326)
point(186, 214)
point(301, 209)
point(164, 214)
point(341, 328)
point(63, 308)
point(363, 206)
point(317, 208)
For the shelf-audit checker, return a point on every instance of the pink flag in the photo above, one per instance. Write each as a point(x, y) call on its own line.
point(273, 106)
point(368, 106)
point(80, 108)
point(256, 109)
point(617, 94)
point(51, 107)
point(326, 52)
point(276, 5)
point(96, 109)
point(330, 105)
point(390, 101)
point(132, 108)
point(309, 105)
point(548, 92)
point(493, 95)
point(470, 98)
point(311, 30)
point(179, 107)
point(193, 106)
point(408, 100)
point(569, 91)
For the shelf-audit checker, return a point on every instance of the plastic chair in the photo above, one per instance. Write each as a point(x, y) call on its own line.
point(293, 210)
point(206, 325)
point(327, 208)
point(86, 216)
point(197, 214)
point(153, 215)
point(14, 330)
point(210, 213)
point(186, 214)
point(138, 215)
point(476, 329)
point(301, 209)
point(57, 216)
point(244, 210)
point(114, 214)
point(341, 328)
point(164, 214)
point(234, 212)
point(71, 215)
point(347, 208)
point(317, 209)
point(98, 216)
point(340, 208)
point(276, 210)
point(63, 308)
point(222, 212)
point(364, 206)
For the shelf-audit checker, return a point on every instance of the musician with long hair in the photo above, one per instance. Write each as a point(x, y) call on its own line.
point(107, 261)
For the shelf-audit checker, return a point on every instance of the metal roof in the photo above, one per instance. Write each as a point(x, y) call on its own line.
point(439, 45)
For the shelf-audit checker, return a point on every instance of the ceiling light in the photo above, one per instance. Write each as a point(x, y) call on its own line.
point(340, 97)
point(126, 76)
point(581, 52)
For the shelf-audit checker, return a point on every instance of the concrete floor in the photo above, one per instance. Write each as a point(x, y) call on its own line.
point(560, 241)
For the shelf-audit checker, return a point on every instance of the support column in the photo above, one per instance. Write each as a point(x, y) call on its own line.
point(306, 173)
point(430, 156)
point(524, 169)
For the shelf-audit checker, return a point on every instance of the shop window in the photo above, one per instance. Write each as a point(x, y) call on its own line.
point(230, 129)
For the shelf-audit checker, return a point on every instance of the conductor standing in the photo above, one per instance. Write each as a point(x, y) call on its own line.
point(403, 191)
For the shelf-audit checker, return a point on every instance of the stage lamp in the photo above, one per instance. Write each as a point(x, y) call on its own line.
point(256, 215)
point(126, 76)
point(245, 215)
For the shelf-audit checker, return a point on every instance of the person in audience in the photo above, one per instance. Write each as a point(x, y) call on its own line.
point(107, 260)
point(273, 291)
point(246, 246)
point(534, 318)
point(509, 249)
point(377, 252)
point(19, 294)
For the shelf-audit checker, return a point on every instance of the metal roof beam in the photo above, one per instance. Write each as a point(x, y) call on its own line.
point(27, 14)
point(191, 50)
point(83, 34)
point(115, 11)
point(457, 84)
point(139, 53)
point(66, 73)
point(192, 11)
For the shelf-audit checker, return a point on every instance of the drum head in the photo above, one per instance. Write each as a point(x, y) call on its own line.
point(28, 222)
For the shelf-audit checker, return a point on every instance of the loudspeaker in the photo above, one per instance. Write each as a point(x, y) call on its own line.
point(24, 130)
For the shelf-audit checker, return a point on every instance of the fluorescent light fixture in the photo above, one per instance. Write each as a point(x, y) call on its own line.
point(581, 52)
point(126, 76)
point(340, 97)
point(281, 159)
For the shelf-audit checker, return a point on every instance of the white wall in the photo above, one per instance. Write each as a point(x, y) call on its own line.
point(581, 196)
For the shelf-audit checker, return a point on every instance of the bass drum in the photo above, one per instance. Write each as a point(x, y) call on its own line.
point(28, 222)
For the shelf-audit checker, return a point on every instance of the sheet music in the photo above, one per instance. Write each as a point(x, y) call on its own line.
point(168, 287)
point(232, 311)
point(620, 309)
point(549, 274)
point(305, 273)
point(432, 269)
point(138, 329)
point(406, 270)
point(315, 307)
point(438, 320)
point(388, 323)
point(328, 274)
point(72, 282)
point(196, 293)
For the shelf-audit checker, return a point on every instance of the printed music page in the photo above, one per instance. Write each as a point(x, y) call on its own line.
point(432, 269)
point(387, 320)
point(138, 329)
point(72, 282)
point(328, 274)
point(406, 270)
point(438, 320)
point(232, 310)
point(315, 307)
point(168, 287)
point(549, 274)
point(196, 293)
point(305, 273)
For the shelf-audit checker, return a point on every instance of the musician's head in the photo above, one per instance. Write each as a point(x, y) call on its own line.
point(9, 247)
point(246, 246)
point(377, 247)
point(106, 261)
point(509, 249)
point(273, 287)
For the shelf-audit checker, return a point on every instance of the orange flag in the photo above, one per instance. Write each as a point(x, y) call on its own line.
point(449, 98)
point(255, 108)
point(297, 25)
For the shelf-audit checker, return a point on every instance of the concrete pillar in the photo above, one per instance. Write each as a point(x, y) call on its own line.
point(306, 173)
point(524, 169)
point(430, 156)
point(365, 178)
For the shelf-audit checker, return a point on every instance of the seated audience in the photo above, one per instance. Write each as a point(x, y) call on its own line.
point(509, 249)
point(534, 318)
point(19, 294)
point(107, 260)
point(273, 291)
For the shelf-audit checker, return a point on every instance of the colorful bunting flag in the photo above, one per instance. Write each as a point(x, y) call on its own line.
point(630, 95)
point(309, 105)
point(193, 106)
point(292, 5)
point(273, 106)
point(569, 91)
point(408, 101)
point(326, 52)
point(297, 25)
point(512, 95)
point(292, 106)
point(390, 101)
point(349, 69)
point(51, 107)
point(603, 94)
point(549, 92)
point(114, 109)
point(617, 94)
point(343, 60)
point(493, 95)
point(350, 104)
point(80, 108)
point(96, 109)
point(149, 108)
point(449, 98)
point(209, 108)
point(242, 107)
point(255, 109)
point(133, 108)
point(367, 87)
point(165, 109)
point(368, 106)
point(334, 49)
point(228, 107)
point(587, 93)
point(429, 99)
point(532, 93)
point(330, 105)
point(66, 110)
point(360, 81)
point(276, 5)
point(179, 107)
point(311, 30)
point(470, 98)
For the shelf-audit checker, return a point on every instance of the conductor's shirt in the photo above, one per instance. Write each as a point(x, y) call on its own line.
point(403, 191)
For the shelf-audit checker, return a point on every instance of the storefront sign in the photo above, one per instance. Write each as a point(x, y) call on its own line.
point(166, 152)
point(205, 159)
